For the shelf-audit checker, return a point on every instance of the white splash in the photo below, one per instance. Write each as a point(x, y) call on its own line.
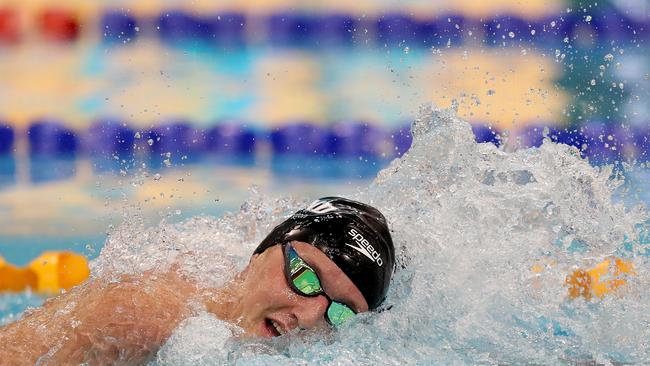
point(469, 221)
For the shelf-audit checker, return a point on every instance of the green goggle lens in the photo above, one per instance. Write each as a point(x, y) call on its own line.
point(305, 280)
point(338, 313)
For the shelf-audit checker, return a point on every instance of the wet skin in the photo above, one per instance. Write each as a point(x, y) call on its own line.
point(125, 322)
point(260, 295)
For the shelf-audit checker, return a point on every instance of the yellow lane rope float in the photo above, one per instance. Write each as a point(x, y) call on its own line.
point(604, 278)
point(49, 273)
point(15, 279)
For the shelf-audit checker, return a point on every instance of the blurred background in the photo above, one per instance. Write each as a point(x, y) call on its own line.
point(169, 108)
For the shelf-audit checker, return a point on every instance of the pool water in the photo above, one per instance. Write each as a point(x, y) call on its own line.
point(469, 222)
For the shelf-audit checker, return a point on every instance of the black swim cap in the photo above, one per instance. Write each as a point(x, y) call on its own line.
point(352, 234)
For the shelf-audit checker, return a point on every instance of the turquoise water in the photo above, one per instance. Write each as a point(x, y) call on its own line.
point(469, 221)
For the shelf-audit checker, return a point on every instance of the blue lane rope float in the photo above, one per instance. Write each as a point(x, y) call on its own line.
point(359, 139)
point(402, 139)
point(112, 145)
point(305, 29)
point(486, 133)
point(109, 137)
point(508, 30)
point(302, 29)
point(299, 139)
point(601, 142)
point(177, 26)
point(230, 138)
point(118, 27)
point(7, 137)
point(50, 137)
point(179, 138)
point(311, 30)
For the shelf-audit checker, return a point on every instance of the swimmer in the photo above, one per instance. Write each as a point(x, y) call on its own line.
point(318, 268)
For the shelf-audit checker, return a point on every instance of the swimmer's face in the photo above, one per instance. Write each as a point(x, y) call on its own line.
point(270, 308)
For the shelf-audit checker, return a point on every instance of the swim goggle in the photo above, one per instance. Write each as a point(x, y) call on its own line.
point(304, 281)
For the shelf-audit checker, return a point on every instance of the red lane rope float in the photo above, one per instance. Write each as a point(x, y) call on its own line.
point(9, 26)
point(48, 273)
point(59, 25)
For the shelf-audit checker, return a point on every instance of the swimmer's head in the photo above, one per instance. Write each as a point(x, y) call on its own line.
point(351, 234)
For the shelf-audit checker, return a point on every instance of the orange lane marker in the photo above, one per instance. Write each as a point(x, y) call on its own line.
point(604, 278)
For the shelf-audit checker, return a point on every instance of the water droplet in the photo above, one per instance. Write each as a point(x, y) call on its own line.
point(592, 82)
point(609, 57)
point(532, 32)
point(491, 92)
point(511, 34)
point(150, 142)
point(156, 176)
point(588, 18)
point(137, 135)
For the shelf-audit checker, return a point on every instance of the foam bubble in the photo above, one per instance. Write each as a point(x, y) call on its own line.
point(469, 221)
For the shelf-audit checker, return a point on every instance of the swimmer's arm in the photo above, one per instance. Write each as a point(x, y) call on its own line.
point(123, 322)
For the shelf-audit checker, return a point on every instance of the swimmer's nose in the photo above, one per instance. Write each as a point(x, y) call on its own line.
point(311, 311)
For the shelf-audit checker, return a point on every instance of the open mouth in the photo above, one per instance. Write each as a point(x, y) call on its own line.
point(274, 328)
